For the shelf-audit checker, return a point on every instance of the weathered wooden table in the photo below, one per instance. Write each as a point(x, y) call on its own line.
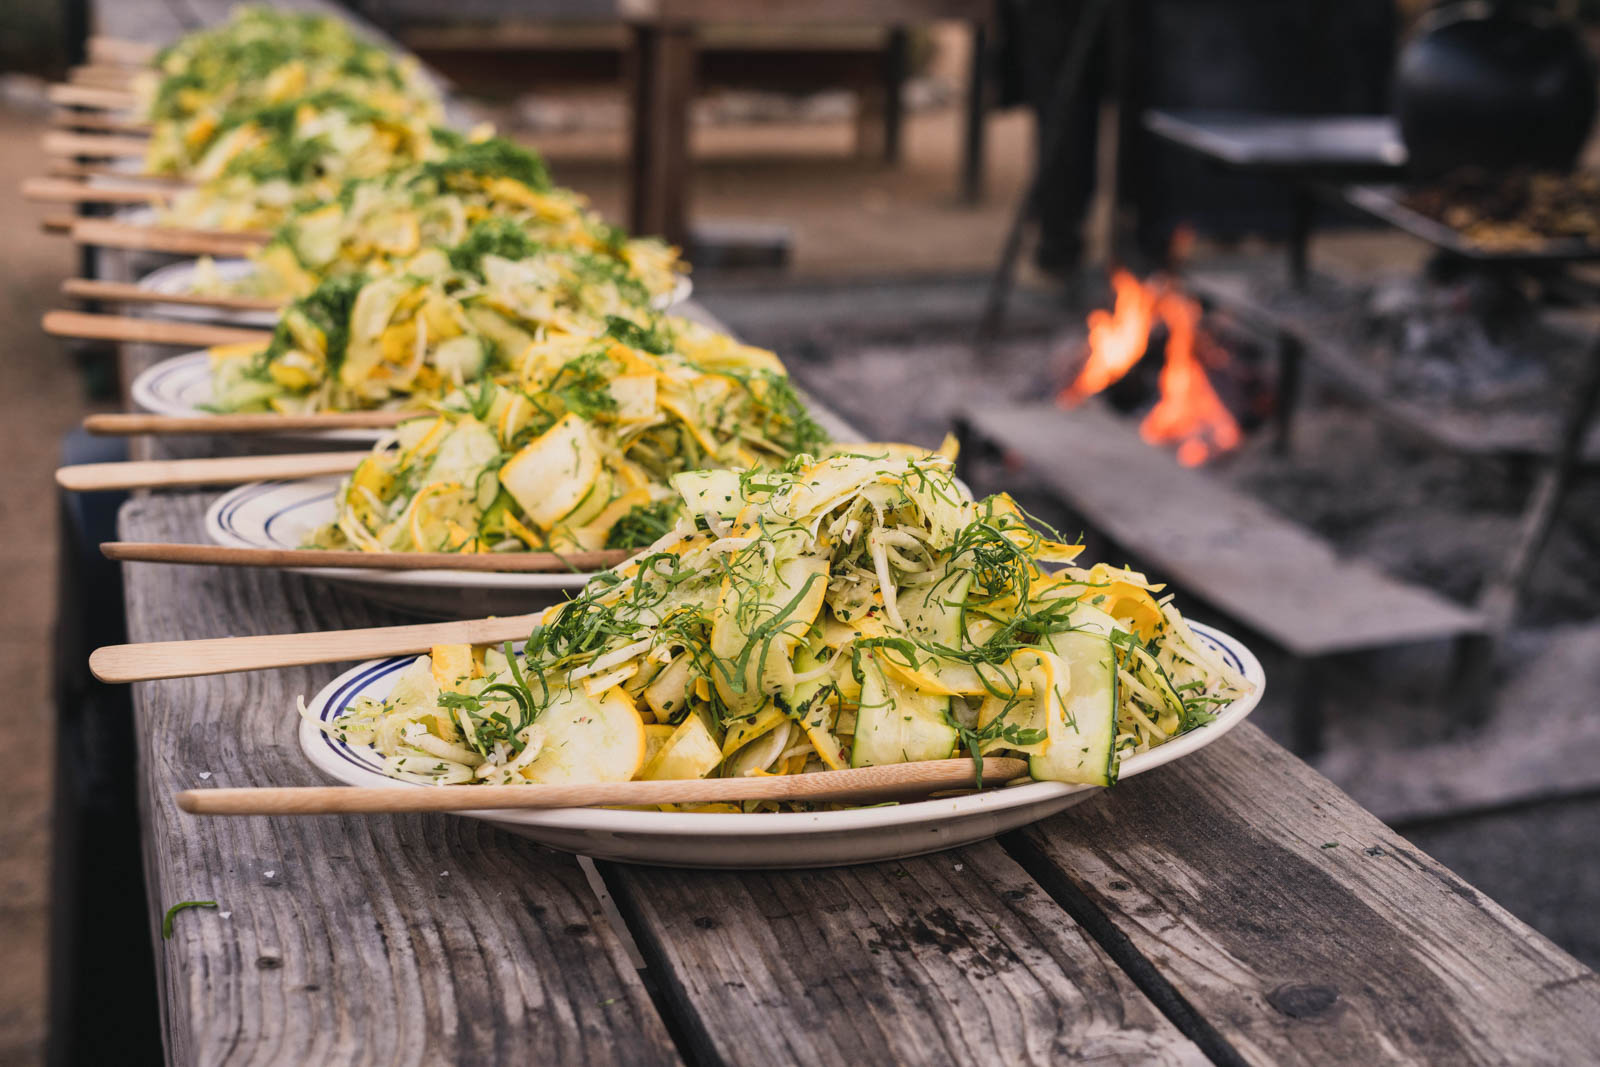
point(1232, 906)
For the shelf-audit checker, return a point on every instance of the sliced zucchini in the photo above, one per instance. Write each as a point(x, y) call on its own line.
point(460, 359)
point(1083, 720)
point(690, 752)
point(587, 739)
point(896, 723)
point(462, 453)
point(553, 474)
point(714, 491)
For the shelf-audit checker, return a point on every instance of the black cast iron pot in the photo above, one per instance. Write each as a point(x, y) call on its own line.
point(1494, 85)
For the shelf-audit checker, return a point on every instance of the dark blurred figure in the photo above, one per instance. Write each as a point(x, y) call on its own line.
point(1294, 57)
point(1035, 37)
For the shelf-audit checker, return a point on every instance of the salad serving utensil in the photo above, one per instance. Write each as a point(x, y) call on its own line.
point(95, 145)
point(95, 97)
point(128, 293)
point(120, 423)
point(68, 191)
point(221, 655)
point(857, 785)
point(225, 556)
point(176, 240)
point(180, 473)
point(93, 327)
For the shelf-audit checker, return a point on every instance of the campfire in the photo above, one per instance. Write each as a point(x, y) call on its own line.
point(1188, 413)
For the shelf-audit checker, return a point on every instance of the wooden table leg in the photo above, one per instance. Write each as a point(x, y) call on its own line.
point(1291, 354)
point(895, 60)
point(1302, 207)
point(1502, 595)
point(662, 87)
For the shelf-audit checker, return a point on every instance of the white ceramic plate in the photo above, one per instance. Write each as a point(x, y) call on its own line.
point(181, 386)
point(177, 279)
point(281, 514)
point(809, 839)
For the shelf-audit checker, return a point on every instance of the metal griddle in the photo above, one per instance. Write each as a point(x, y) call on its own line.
point(1386, 202)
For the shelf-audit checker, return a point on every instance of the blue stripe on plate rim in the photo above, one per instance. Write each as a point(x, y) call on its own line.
point(247, 494)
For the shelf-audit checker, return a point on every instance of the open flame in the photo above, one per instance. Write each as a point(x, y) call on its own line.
point(1189, 413)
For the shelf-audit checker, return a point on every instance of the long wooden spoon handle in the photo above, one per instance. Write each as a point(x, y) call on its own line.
point(66, 168)
point(94, 145)
point(115, 423)
point(101, 75)
point(230, 470)
point(220, 655)
point(128, 293)
point(65, 191)
point(100, 122)
point(109, 233)
point(222, 556)
point(147, 331)
point(91, 96)
point(858, 785)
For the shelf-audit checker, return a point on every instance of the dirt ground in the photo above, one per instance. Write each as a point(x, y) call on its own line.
point(43, 396)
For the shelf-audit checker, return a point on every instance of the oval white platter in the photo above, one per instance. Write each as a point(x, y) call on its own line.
point(280, 515)
point(181, 387)
point(177, 279)
point(787, 839)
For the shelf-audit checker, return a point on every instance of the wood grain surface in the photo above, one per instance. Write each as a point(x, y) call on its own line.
point(1303, 929)
point(1190, 912)
point(958, 957)
point(366, 939)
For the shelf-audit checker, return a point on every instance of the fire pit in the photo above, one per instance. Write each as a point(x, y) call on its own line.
point(1188, 411)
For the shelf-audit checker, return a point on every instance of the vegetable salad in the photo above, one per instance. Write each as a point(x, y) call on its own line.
point(848, 611)
point(445, 319)
point(575, 451)
point(378, 225)
point(204, 86)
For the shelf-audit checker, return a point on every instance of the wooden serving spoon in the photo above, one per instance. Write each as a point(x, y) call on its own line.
point(858, 785)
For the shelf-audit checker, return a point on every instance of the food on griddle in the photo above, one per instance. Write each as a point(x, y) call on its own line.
point(1524, 211)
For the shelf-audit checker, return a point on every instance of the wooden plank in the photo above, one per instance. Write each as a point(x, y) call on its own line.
point(957, 957)
point(1217, 543)
point(1301, 928)
point(355, 939)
